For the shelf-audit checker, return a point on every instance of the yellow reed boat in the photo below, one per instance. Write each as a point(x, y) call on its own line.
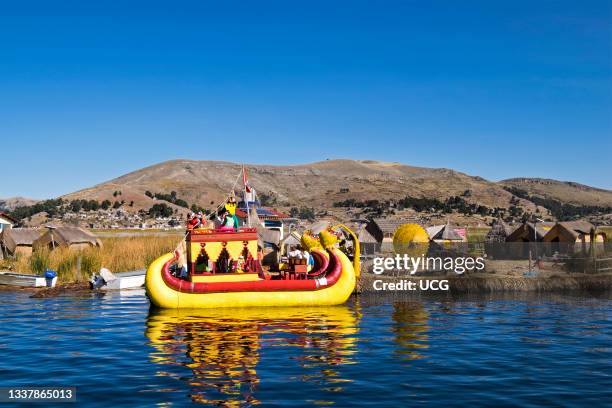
point(223, 269)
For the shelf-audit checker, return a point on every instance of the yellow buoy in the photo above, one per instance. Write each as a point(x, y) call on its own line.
point(411, 239)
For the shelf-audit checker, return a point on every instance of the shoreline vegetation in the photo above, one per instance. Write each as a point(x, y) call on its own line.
point(118, 254)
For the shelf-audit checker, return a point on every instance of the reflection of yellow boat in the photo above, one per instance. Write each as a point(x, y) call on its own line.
point(410, 328)
point(222, 346)
point(224, 271)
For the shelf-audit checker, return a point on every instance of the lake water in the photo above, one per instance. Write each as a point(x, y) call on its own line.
point(517, 350)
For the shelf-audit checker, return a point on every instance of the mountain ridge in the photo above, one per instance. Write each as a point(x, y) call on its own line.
point(10, 203)
point(328, 185)
point(317, 184)
point(568, 192)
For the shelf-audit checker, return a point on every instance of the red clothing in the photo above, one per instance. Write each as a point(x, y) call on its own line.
point(194, 223)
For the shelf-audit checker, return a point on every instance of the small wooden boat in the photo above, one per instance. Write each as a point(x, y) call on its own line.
point(20, 279)
point(118, 281)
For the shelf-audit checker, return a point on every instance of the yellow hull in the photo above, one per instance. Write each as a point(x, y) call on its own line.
point(165, 297)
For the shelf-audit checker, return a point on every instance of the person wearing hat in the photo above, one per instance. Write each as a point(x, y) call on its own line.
point(231, 206)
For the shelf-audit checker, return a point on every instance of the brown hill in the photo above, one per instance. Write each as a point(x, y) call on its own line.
point(9, 204)
point(317, 184)
point(564, 191)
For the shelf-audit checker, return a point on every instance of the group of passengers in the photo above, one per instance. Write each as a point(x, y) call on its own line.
point(224, 219)
point(300, 256)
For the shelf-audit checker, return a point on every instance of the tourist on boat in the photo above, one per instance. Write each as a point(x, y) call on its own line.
point(295, 253)
point(194, 221)
point(309, 259)
point(226, 216)
point(181, 256)
point(225, 221)
point(231, 206)
point(219, 218)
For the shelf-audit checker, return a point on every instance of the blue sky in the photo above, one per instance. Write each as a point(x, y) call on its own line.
point(497, 89)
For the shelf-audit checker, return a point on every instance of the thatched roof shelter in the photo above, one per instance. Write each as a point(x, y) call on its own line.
point(72, 237)
point(444, 232)
point(364, 236)
point(571, 232)
point(368, 243)
point(577, 227)
point(525, 233)
point(19, 240)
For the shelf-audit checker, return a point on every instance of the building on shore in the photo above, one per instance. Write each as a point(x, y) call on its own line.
point(6, 221)
point(18, 240)
point(71, 237)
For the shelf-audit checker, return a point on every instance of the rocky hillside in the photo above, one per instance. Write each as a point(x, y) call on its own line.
point(317, 184)
point(9, 204)
point(345, 188)
point(564, 191)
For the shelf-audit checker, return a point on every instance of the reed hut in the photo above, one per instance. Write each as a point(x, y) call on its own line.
point(526, 233)
point(445, 233)
point(525, 240)
point(367, 243)
point(18, 240)
point(573, 232)
point(572, 236)
point(71, 237)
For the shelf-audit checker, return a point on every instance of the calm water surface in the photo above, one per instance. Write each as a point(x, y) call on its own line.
point(535, 350)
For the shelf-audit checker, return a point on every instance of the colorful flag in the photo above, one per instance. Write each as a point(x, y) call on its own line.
point(245, 180)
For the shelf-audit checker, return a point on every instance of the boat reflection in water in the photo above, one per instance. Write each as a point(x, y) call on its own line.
point(410, 328)
point(223, 347)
